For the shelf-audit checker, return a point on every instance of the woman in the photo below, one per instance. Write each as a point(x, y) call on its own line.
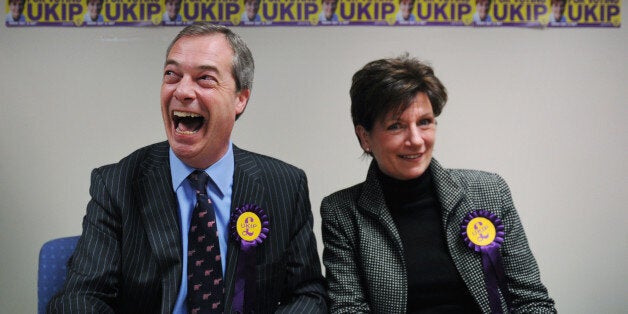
point(409, 239)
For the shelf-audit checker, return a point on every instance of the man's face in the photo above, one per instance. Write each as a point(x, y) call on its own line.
point(199, 101)
point(252, 7)
point(94, 7)
point(558, 7)
point(406, 8)
point(329, 7)
point(173, 7)
point(16, 8)
point(482, 8)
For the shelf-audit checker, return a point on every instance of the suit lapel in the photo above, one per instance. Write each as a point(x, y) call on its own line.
point(246, 190)
point(158, 206)
point(456, 205)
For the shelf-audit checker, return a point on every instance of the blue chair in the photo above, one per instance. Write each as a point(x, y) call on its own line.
point(53, 258)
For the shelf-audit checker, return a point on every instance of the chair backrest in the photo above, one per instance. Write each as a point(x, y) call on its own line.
point(53, 258)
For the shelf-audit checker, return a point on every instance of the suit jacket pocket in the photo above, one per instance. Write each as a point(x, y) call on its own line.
point(271, 279)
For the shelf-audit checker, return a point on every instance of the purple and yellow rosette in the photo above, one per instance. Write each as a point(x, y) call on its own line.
point(483, 232)
point(249, 227)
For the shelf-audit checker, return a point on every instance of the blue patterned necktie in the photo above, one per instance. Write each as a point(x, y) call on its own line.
point(205, 284)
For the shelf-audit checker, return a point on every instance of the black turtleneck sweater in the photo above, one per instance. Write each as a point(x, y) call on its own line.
point(434, 285)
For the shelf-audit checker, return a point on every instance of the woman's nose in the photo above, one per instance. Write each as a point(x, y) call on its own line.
point(414, 136)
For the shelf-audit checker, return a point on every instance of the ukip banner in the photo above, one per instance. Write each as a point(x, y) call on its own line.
point(262, 13)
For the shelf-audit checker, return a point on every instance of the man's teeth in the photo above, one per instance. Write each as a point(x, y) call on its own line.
point(187, 122)
point(182, 114)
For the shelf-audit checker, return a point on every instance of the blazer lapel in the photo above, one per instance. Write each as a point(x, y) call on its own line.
point(159, 209)
point(371, 201)
point(456, 206)
point(246, 190)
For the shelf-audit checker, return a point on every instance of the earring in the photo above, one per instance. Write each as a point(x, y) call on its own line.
point(368, 149)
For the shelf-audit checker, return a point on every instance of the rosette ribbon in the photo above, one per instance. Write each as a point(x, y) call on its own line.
point(483, 232)
point(249, 228)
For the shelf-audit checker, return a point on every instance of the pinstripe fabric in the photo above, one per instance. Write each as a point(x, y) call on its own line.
point(363, 253)
point(128, 259)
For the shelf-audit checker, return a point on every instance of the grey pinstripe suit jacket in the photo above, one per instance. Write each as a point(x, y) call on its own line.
point(363, 253)
point(128, 259)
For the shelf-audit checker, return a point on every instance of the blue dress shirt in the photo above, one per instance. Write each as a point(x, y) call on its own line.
point(219, 191)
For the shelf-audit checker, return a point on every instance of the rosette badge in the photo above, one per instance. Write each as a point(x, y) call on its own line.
point(482, 229)
point(249, 225)
point(483, 232)
point(249, 228)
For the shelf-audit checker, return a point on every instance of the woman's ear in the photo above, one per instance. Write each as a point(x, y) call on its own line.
point(363, 135)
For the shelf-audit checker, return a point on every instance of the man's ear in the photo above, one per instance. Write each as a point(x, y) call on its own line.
point(242, 99)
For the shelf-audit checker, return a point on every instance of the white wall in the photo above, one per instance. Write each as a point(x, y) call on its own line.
point(544, 108)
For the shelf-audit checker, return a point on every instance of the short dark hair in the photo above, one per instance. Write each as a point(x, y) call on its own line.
point(243, 66)
point(389, 85)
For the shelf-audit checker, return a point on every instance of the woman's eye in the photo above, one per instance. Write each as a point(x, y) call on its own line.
point(426, 122)
point(394, 126)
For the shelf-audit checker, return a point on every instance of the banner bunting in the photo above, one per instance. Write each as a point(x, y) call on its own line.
point(264, 13)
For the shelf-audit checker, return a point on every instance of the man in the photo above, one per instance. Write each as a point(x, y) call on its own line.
point(558, 11)
point(134, 255)
point(15, 16)
point(93, 16)
point(172, 12)
point(328, 14)
point(251, 7)
point(482, 10)
point(404, 14)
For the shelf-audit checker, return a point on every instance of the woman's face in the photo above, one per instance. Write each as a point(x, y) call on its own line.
point(402, 144)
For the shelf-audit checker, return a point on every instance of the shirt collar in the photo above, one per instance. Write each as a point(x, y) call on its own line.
point(221, 172)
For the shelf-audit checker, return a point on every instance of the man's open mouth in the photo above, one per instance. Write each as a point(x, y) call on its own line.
point(187, 122)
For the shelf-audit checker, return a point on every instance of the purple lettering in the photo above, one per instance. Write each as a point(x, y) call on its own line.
point(265, 11)
point(128, 12)
point(463, 9)
point(190, 11)
point(75, 9)
point(440, 10)
point(363, 11)
point(424, 13)
point(612, 11)
point(286, 11)
point(387, 8)
point(50, 12)
point(539, 10)
point(570, 12)
point(589, 12)
point(31, 14)
point(108, 11)
point(310, 8)
point(515, 11)
point(496, 15)
point(207, 13)
point(153, 8)
point(232, 8)
point(343, 12)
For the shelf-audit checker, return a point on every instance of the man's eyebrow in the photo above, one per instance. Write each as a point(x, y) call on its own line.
point(200, 67)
